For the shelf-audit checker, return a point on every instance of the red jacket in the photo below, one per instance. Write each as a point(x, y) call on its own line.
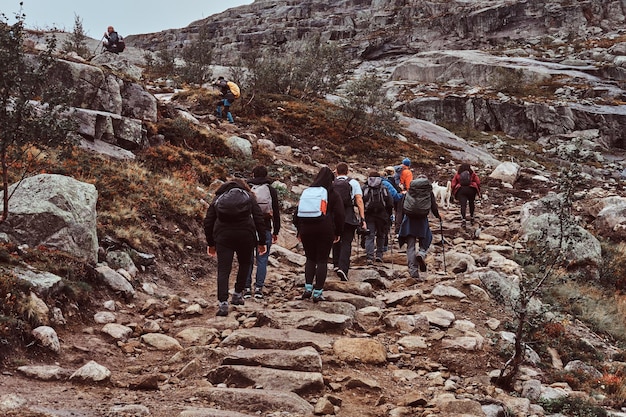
point(456, 183)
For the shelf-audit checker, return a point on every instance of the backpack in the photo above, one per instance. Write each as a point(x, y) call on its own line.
point(343, 187)
point(234, 205)
point(417, 200)
point(313, 203)
point(264, 198)
point(121, 45)
point(234, 88)
point(375, 196)
point(465, 178)
point(396, 175)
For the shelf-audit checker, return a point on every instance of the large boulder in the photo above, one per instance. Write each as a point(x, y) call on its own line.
point(54, 211)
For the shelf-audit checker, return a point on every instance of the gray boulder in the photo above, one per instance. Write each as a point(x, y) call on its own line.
point(54, 211)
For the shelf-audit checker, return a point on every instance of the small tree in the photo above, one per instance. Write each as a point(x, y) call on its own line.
point(197, 56)
point(31, 112)
point(366, 108)
point(546, 251)
point(77, 41)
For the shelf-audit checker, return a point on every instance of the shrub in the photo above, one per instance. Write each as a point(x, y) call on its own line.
point(573, 407)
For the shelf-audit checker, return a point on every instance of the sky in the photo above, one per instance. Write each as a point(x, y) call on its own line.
point(128, 17)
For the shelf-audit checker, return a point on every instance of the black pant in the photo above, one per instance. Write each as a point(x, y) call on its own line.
point(316, 249)
point(466, 194)
point(343, 249)
point(225, 255)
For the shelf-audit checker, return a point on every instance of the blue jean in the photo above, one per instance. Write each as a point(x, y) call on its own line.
point(261, 264)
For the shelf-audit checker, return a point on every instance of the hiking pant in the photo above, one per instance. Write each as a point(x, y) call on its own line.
point(261, 264)
point(226, 113)
point(466, 194)
point(316, 249)
point(378, 231)
point(343, 249)
point(225, 256)
point(411, 252)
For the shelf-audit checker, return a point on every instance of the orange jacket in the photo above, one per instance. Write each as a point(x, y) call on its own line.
point(406, 176)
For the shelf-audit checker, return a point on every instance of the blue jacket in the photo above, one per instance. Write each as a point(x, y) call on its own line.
point(392, 190)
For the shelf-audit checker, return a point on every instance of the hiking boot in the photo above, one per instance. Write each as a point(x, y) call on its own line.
point(308, 291)
point(471, 220)
point(258, 293)
point(463, 224)
point(420, 259)
point(370, 262)
point(237, 299)
point(317, 296)
point(222, 310)
point(342, 275)
point(247, 293)
point(378, 259)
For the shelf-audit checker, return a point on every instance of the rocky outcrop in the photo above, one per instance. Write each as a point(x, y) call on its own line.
point(56, 212)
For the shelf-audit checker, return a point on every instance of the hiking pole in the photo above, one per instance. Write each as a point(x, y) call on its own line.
point(99, 43)
point(443, 246)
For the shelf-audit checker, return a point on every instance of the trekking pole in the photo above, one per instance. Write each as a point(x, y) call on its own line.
point(390, 246)
point(99, 43)
point(443, 246)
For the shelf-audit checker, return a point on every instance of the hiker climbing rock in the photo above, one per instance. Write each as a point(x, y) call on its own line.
point(233, 224)
point(267, 198)
point(418, 202)
point(319, 221)
point(230, 92)
point(465, 188)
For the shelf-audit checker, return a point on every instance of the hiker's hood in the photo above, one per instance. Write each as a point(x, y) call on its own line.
point(374, 181)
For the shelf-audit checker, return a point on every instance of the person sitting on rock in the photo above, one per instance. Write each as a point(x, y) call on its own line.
point(111, 40)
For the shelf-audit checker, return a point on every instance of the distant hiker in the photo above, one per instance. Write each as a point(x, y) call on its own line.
point(319, 221)
point(378, 205)
point(403, 175)
point(233, 224)
point(351, 194)
point(267, 198)
point(112, 41)
point(465, 188)
point(230, 92)
point(417, 203)
point(396, 194)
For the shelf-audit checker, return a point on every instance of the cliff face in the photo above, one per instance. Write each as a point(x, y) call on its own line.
point(372, 29)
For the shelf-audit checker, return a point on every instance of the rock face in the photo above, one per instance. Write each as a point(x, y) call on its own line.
point(54, 211)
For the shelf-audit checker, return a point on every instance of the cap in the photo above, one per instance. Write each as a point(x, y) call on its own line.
point(406, 161)
point(389, 170)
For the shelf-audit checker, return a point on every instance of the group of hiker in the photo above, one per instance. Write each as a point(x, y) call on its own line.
point(244, 219)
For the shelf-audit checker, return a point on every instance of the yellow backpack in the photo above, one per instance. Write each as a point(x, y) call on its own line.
point(234, 88)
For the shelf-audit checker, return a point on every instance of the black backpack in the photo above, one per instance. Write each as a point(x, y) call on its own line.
point(417, 201)
point(343, 187)
point(375, 196)
point(121, 45)
point(465, 178)
point(233, 206)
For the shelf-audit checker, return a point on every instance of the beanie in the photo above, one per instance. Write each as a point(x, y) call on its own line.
point(406, 161)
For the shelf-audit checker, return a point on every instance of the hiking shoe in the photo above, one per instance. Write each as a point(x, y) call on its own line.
point(222, 310)
point(463, 224)
point(237, 299)
point(258, 293)
point(342, 275)
point(317, 296)
point(306, 295)
point(419, 258)
point(335, 269)
point(379, 259)
point(472, 220)
point(247, 293)
point(370, 262)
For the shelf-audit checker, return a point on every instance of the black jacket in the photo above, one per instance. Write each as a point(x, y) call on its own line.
point(233, 234)
point(275, 219)
point(334, 220)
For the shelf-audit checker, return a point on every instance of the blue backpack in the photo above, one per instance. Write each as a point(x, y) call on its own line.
point(397, 174)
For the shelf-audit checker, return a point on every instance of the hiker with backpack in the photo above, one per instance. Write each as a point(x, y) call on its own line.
point(465, 188)
point(417, 204)
point(403, 175)
point(267, 199)
point(319, 222)
point(234, 224)
point(396, 194)
point(230, 92)
point(378, 206)
point(351, 194)
point(112, 41)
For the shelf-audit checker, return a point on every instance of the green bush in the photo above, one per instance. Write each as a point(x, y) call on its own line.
point(573, 407)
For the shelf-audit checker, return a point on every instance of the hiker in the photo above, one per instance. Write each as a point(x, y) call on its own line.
point(111, 40)
point(233, 224)
point(405, 175)
point(417, 203)
point(465, 188)
point(351, 194)
point(378, 207)
point(267, 199)
point(396, 194)
point(228, 98)
point(319, 225)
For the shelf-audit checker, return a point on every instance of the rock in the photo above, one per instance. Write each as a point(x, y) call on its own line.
point(211, 412)
point(310, 320)
point(45, 372)
point(360, 350)
point(121, 259)
point(252, 400)
point(198, 335)
point(356, 300)
point(135, 410)
point(324, 407)
point(407, 323)
point(268, 378)
point(267, 338)
point(42, 282)
point(413, 343)
point(91, 372)
point(161, 342)
point(442, 290)
point(305, 359)
point(117, 331)
point(507, 172)
point(115, 281)
point(579, 367)
point(439, 317)
point(104, 317)
point(48, 338)
point(56, 212)
point(239, 145)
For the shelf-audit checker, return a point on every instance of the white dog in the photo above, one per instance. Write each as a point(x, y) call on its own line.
point(442, 194)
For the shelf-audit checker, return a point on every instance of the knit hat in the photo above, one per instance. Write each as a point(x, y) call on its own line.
point(406, 161)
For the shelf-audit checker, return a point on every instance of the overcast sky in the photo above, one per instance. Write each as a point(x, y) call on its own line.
point(129, 17)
